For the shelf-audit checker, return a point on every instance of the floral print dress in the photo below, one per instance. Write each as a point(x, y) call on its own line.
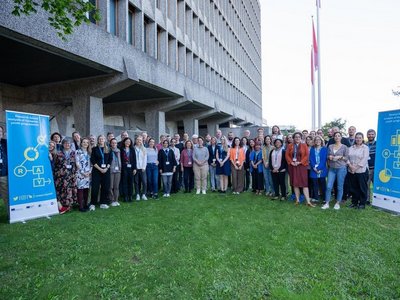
point(83, 161)
point(65, 177)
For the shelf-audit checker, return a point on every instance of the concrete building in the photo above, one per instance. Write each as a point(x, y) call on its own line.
point(154, 65)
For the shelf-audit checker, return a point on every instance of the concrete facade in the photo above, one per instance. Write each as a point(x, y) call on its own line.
point(155, 65)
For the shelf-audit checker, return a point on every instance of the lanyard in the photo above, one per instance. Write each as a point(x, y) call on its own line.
point(166, 151)
point(102, 155)
point(295, 151)
point(317, 157)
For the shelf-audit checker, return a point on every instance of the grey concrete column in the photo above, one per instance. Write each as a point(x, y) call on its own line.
point(155, 123)
point(191, 126)
point(88, 115)
point(212, 128)
point(123, 19)
point(103, 7)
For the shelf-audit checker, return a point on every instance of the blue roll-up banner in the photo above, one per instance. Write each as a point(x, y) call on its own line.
point(30, 178)
point(387, 162)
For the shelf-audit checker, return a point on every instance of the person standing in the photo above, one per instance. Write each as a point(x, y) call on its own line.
point(180, 145)
point(266, 151)
point(256, 168)
point(212, 164)
point(65, 176)
point(101, 159)
point(115, 174)
point(3, 167)
point(128, 169)
point(237, 158)
point(175, 179)
point(358, 171)
point(318, 167)
point(247, 148)
point(84, 173)
point(224, 164)
point(278, 166)
point(187, 166)
point(152, 169)
point(166, 166)
point(371, 134)
point(141, 164)
point(56, 138)
point(297, 156)
point(338, 155)
point(200, 166)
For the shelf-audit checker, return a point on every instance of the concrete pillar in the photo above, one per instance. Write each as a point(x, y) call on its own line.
point(103, 7)
point(212, 128)
point(88, 115)
point(191, 126)
point(123, 19)
point(155, 123)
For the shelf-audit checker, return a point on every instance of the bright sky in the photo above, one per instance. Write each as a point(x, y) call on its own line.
point(360, 60)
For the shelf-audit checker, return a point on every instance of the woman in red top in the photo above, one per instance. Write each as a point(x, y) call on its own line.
point(297, 155)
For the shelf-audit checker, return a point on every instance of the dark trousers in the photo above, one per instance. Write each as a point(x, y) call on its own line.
point(310, 185)
point(247, 180)
point(358, 183)
point(279, 181)
point(346, 188)
point(319, 185)
point(175, 181)
point(100, 180)
point(188, 178)
point(127, 183)
point(140, 182)
point(258, 180)
point(83, 195)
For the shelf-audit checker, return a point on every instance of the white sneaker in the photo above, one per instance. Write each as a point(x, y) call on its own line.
point(203, 192)
point(165, 195)
point(168, 195)
point(144, 197)
point(117, 203)
point(337, 206)
point(137, 197)
point(198, 192)
point(104, 206)
point(92, 208)
point(114, 204)
point(325, 206)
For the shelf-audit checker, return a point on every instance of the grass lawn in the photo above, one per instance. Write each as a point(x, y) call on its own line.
point(203, 247)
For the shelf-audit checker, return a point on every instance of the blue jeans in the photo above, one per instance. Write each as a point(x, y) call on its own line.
point(152, 178)
point(338, 174)
point(268, 184)
point(214, 178)
point(167, 183)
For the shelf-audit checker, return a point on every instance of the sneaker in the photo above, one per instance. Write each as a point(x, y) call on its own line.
point(104, 206)
point(63, 210)
point(168, 195)
point(137, 197)
point(198, 192)
point(203, 192)
point(144, 197)
point(92, 208)
point(114, 204)
point(283, 198)
point(325, 206)
point(117, 203)
point(165, 195)
point(337, 206)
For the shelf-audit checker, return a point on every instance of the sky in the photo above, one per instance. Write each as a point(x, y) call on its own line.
point(360, 60)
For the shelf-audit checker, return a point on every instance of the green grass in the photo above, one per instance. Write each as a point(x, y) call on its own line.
point(203, 247)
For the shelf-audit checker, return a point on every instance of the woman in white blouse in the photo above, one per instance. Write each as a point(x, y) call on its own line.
point(358, 171)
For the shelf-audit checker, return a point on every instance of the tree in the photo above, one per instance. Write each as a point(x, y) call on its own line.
point(64, 14)
point(335, 123)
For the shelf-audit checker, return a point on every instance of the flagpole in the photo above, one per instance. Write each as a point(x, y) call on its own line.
point(319, 67)
point(312, 90)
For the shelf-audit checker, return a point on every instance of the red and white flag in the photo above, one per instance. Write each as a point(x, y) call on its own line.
point(312, 67)
point(315, 47)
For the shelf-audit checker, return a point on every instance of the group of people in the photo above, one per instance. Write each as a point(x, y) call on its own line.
point(102, 170)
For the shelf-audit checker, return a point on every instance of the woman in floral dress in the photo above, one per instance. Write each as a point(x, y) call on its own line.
point(84, 173)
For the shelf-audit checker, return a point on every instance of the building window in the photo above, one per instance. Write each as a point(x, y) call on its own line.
point(91, 14)
point(114, 17)
point(131, 25)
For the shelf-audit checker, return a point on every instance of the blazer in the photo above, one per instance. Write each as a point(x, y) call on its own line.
point(322, 166)
point(128, 159)
point(283, 161)
point(166, 163)
point(241, 156)
point(211, 154)
point(97, 158)
point(302, 150)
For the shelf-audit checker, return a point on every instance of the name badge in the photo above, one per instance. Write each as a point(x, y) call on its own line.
point(116, 168)
point(295, 159)
point(129, 166)
point(103, 166)
point(1, 161)
point(316, 166)
point(189, 163)
point(69, 167)
point(220, 159)
point(167, 163)
point(213, 159)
